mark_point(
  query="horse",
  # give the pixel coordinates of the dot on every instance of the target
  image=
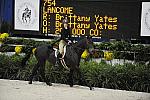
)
(72, 59)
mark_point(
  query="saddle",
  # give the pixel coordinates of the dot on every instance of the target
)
(61, 59)
(57, 52)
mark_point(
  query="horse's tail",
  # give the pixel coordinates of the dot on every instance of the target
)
(28, 53)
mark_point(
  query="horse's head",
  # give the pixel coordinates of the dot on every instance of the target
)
(85, 43)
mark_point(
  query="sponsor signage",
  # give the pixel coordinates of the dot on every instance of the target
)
(26, 15)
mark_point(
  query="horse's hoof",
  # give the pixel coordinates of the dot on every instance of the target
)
(91, 88)
(30, 82)
(49, 83)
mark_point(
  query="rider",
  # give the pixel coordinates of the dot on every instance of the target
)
(65, 37)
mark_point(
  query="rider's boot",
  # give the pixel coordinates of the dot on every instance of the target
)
(57, 59)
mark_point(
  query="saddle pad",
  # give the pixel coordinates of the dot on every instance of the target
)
(56, 52)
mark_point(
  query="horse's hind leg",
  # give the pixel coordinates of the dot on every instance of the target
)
(34, 72)
(42, 72)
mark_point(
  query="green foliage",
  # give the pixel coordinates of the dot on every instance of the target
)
(29, 42)
(9, 66)
(6, 48)
(126, 50)
(121, 49)
(56, 74)
(133, 77)
(9, 44)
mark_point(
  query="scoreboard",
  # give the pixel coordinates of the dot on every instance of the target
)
(95, 18)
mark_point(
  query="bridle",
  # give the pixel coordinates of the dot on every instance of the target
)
(87, 42)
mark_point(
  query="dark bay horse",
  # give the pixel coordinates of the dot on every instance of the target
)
(71, 58)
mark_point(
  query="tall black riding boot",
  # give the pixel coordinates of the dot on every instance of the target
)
(56, 63)
(57, 60)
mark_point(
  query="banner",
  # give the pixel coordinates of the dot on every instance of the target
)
(26, 15)
(145, 19)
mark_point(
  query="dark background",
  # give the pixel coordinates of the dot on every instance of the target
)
(128, 13)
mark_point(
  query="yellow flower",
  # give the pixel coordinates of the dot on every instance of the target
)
(33, 50)
(3, 36)
(85, 54)
(108, 55)
(18, 49)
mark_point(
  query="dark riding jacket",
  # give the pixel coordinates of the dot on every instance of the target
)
(66, 35)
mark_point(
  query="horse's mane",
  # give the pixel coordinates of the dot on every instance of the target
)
(78, 44)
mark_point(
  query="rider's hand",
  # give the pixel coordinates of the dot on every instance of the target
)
(69, 42)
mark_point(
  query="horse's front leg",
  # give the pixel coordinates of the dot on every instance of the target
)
(82, 79)
(71, 78)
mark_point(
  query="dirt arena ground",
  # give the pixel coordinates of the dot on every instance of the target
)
(21, 90)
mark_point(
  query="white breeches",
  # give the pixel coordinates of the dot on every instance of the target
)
(62, 43)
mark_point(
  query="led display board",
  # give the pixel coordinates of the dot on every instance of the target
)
(95, 18)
